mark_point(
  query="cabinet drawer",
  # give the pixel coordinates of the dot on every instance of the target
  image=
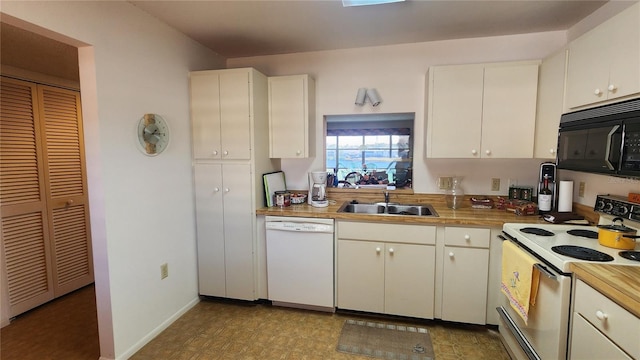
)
(616, 323)
(410, 234)
(587, 343)
(469, 237)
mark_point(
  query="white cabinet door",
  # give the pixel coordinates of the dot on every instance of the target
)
(455, 116)
(361, 275)
(224, 232)
(482, 110)
(291, 114)
(587, 343)
(550, 105)
(238, 231)
(604, 63)
(409, 280)
(509, 111)
(464, 284)
(205, 114)
(210, 229)
(220, 114)
(235, 111)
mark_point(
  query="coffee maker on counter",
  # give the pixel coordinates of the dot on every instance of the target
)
(548, 170)
(318, 189)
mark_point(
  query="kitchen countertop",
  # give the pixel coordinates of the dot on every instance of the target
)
(620, 283)
(463, 216)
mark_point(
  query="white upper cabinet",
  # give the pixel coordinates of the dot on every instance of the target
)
(604, 63)
(221, 114)
(482, 110)
(455, 111)
(550, 105)
(291, 116)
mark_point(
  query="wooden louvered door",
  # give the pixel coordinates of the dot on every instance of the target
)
(43, 198)
(66, 188)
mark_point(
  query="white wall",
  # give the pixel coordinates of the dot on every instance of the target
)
(142, 208)
(398, 73)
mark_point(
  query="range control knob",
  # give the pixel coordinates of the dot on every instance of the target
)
(608, 207)
(599, 205)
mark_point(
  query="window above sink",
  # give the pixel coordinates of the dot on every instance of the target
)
(369, 150)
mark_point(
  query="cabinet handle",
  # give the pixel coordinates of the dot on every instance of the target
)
(215, 152)
(69, 202)
(552, 151)
(612, 88)
(474, 152)
(451, 254)
(225, 152)
(298, 152)
(597, 92)
(467, 237)
(215, 189)
(488, 152)
(601, 315)
(391, 251)
(226, 190)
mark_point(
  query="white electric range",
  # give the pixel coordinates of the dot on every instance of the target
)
(558, 237)
(545, 334)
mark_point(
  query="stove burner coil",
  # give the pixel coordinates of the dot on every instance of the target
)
(536, 231)
(582, 253)
(583, 233)
(631, 255)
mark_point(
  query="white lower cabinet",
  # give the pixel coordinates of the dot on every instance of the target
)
(465, 274)
(224, 230)
(601, 329)
(386, 268)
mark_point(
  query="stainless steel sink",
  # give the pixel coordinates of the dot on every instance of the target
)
(362, 208)
(391, 209)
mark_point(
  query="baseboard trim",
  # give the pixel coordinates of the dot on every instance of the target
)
(155, 332)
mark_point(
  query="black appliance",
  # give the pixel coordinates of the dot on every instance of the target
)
(605, 140)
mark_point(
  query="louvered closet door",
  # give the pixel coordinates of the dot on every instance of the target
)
(24, 225)
(66, 188)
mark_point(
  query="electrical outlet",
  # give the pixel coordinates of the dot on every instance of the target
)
(164, 271)
(445, 183)
(581, 189)
(495, 184)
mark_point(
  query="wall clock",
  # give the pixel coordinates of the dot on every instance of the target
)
(153, 134)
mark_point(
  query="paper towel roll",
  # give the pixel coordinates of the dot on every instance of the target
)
(565, 198)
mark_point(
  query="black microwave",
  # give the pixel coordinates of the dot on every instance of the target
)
(604, 140)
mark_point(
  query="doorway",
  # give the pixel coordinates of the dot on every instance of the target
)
(27, 55)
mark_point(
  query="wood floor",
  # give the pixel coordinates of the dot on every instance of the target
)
(65, 328)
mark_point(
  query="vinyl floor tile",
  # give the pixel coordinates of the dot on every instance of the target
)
(226, 330)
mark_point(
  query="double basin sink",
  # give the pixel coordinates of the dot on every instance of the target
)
(387, 209)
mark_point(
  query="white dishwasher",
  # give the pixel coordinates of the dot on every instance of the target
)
(300, 262)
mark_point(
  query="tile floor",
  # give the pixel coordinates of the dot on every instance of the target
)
(216, 329)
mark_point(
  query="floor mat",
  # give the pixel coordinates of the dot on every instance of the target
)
(385, 341)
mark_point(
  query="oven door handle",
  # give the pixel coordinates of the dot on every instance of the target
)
(544, 271)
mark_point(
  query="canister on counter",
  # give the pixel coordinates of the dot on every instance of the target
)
(283, 198)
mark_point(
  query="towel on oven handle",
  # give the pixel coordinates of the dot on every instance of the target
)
(520, 279)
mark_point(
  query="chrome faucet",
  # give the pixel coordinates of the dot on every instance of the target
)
(386, 198)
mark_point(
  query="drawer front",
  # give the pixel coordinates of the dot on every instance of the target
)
(469, 237)
(587, 343)
(410, 234)
(611, 319)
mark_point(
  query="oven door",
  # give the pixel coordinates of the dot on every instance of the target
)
(545, 335)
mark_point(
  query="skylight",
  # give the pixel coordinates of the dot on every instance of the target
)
(347, 3)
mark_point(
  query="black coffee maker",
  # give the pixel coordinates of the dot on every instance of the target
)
(548, 169)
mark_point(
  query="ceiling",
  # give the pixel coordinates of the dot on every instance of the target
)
(243, 28)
